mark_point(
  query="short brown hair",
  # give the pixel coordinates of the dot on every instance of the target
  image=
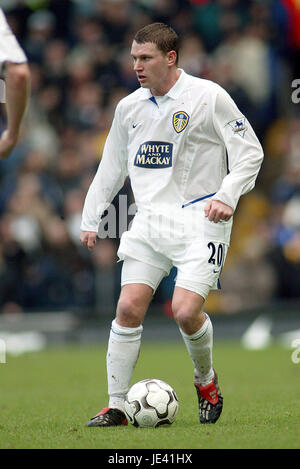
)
(160, 34)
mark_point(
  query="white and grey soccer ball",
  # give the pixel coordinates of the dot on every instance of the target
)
(151, 403)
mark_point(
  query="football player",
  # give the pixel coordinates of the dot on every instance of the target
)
(190, 155)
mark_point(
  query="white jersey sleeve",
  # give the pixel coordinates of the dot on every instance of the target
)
(10, 49)
(244, 152)
(110, 175)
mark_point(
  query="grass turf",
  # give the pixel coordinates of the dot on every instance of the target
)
(47, 397)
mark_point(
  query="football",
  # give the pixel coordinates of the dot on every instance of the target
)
(151, 403)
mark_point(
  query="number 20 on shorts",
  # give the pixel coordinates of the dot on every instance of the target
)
(217, 253)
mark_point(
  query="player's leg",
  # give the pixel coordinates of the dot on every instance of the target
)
(196, 329)
(125, 340)
(139, 282)
(197, 332)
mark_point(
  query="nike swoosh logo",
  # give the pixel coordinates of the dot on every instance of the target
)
(134, 125)
(216, 271)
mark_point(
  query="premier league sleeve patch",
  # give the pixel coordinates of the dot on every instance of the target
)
(180, 121)
(238, 126)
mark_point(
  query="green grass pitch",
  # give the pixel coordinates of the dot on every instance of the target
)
(47, 397)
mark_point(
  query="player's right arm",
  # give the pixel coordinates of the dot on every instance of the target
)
(108, 180)
(88, 239)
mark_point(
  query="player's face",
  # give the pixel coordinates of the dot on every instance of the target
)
(153, 67)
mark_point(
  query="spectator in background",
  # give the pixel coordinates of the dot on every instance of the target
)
(284, 257)
(15, 70)
(41, 26)
(106, 276)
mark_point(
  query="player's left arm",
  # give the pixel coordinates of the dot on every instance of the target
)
(110, 175)
(244, 157)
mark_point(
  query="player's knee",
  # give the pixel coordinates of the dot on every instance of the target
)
(130, 311)
(187, 315)
(184, 318)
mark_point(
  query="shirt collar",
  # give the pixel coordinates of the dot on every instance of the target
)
(178, 87)
(173, 93)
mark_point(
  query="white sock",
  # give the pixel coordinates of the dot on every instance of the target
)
(199, 346)
(122, 354)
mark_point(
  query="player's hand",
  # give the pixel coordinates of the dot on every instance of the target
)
(7, 143)
(88, 238)
(216, 211)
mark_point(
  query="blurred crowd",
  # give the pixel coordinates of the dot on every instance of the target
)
(80, 63)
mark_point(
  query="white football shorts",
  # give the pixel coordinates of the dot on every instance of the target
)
(198, 262)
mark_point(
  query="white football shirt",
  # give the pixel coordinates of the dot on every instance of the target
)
(179, 149)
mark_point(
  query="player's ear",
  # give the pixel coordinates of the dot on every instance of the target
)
(172, 56)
